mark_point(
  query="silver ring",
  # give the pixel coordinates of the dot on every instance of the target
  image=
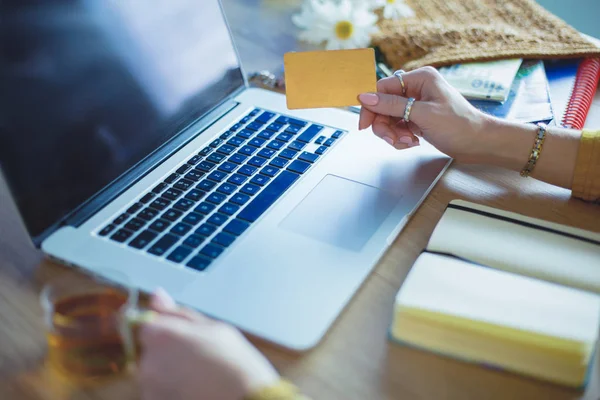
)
(407, 110)
(398, 74)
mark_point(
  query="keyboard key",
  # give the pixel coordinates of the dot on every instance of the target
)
(310, 133)
(227, 135)
(179, 254)
(337, 134)
(296, 145)
(292, 130)
(135, 224)
(237, 179)
(171, 178)
(163, 244)
(183, 204)
(211, 251)
(245, 134)
(159, 225)
(205, 166)
(226, 149)
(229, 208)
(279, 162)
(238, 158)
(275, 127)
(121, 235)
(216, 158)
(236, 141)
(235, 127)
(240, 198)
(276, 144)
(329, 142)
(181, 229)
(183, 184)
(236, 227)
(106, 230)
(265, 116)
(250, 189)
(320, 139)
(206, 230)
(193, 241)
(217, 176)
(285, 137)
(159, 188)
(270, 170)
(216, 143)
(217, 219)
(143, 239)
(183, 169)
(195, 195)
(260, 180)
(147, 198)
(321, 150)
(309, 157)
(216, 198)
(257, 142)
(291, 121)
(223, 239)
(204, 208)
(205, 151)
(247, 150)
(134, 208)
(192, 219)
(266, 135)
(206, 185)
(266, 153)
(246, 119)
(299, 166)
(194, 160)
(121, 218)
(254, 126)
(160, 204)
(199, 263)
(148, 214)
(172, 214)
(288, 153)
(268, 196)
(194, 175)
(227, 188)
(257, 161)
(227, 167)
(247, 170)
(172, 194)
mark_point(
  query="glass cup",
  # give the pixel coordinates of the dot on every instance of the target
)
(89, 326)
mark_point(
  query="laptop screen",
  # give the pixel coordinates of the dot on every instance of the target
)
(90, 88)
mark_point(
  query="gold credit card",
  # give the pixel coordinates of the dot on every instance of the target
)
(330, 78)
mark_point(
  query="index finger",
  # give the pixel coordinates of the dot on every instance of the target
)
(367, 117)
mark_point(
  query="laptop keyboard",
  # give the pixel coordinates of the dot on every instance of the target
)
(209, 201)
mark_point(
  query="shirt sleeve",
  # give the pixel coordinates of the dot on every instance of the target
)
(283, 390)
(586, 178)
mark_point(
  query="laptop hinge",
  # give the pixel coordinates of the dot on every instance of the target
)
(141, 169)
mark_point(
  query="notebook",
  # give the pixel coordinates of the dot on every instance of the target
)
(506, 291)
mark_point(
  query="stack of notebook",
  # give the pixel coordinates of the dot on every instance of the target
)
(507, 291)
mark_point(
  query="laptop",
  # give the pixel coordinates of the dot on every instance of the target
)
(132, 142)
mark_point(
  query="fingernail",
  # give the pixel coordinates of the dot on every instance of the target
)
(165, 300)
(406, 140)
(369, 99)
(388, 140)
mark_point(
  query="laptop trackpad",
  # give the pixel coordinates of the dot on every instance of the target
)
(341, 212)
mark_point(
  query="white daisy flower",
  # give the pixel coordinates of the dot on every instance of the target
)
(338, 24)
(393, 9)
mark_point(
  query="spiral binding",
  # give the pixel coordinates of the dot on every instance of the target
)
(586, 82)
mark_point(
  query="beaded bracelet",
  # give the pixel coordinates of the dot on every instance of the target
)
(535, 152)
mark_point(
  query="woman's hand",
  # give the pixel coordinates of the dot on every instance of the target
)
(440, 114)
(188, 356)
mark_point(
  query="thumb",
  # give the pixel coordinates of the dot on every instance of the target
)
(392, 105)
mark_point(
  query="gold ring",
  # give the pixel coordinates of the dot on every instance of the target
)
(398, 74)
(407, 110)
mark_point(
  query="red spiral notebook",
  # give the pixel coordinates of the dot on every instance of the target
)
(573, 84)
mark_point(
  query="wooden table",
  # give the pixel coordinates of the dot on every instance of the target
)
(355, 360)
